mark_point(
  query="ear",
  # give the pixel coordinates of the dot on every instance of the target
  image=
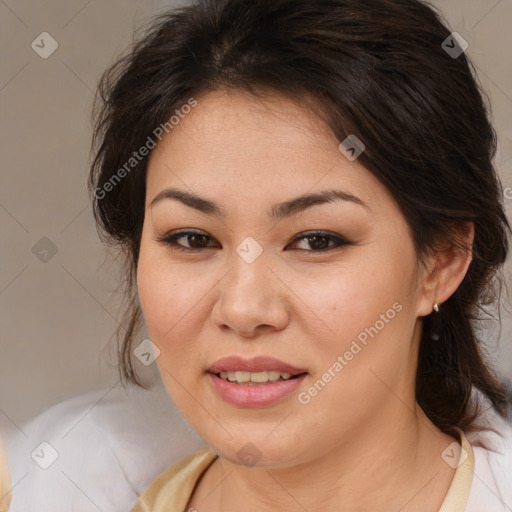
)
(446, 269)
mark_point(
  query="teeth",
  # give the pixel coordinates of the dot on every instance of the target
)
(256, 377)
(274, 375)
(241, 376)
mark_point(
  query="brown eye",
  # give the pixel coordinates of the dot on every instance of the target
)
(317, 241)
(320, 241)
(195, 240)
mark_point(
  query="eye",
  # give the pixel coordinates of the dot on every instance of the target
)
(195, 239)
(318, 241)
(321, 241)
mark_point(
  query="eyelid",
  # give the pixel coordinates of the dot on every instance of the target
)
(168, 239)
(320, 233)
(339, 240)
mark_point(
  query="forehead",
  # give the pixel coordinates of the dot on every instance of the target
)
(226, 124)
(233, 142)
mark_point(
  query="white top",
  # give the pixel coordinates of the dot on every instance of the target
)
(101, 450)
(110, 445)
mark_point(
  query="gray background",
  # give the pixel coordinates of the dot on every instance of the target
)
(57, 316)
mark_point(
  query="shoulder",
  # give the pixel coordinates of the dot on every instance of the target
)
(491, 488)
(97, 450)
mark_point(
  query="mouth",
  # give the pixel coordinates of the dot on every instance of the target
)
(245, 378)
(256, 370)
(257, 382)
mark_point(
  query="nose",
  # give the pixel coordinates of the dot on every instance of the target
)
(252, 299)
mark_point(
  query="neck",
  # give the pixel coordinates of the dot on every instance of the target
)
(396, 464)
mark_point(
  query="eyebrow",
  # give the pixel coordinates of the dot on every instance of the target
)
(277, 212)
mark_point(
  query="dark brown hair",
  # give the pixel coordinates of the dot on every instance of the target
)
(373, 68)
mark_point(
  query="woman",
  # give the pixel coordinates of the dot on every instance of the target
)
(305, 197)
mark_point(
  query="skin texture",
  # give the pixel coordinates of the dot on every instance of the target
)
(362, 440)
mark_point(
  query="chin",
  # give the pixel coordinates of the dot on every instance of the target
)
(257, 454)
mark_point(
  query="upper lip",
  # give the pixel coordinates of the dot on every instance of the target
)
(253, 364)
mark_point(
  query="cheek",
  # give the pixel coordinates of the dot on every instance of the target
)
(347, 302)
(156, 296)
(173, 300)
(165, 291)
(167, 303)
(365, 336)
(162, 298)
(364, 313)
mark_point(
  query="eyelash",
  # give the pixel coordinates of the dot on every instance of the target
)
(170, 240)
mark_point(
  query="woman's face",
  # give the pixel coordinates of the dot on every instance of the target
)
(340, 307)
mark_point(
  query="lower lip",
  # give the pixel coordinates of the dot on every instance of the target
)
(255, 395)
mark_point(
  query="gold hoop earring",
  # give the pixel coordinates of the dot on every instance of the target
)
(436, 307)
